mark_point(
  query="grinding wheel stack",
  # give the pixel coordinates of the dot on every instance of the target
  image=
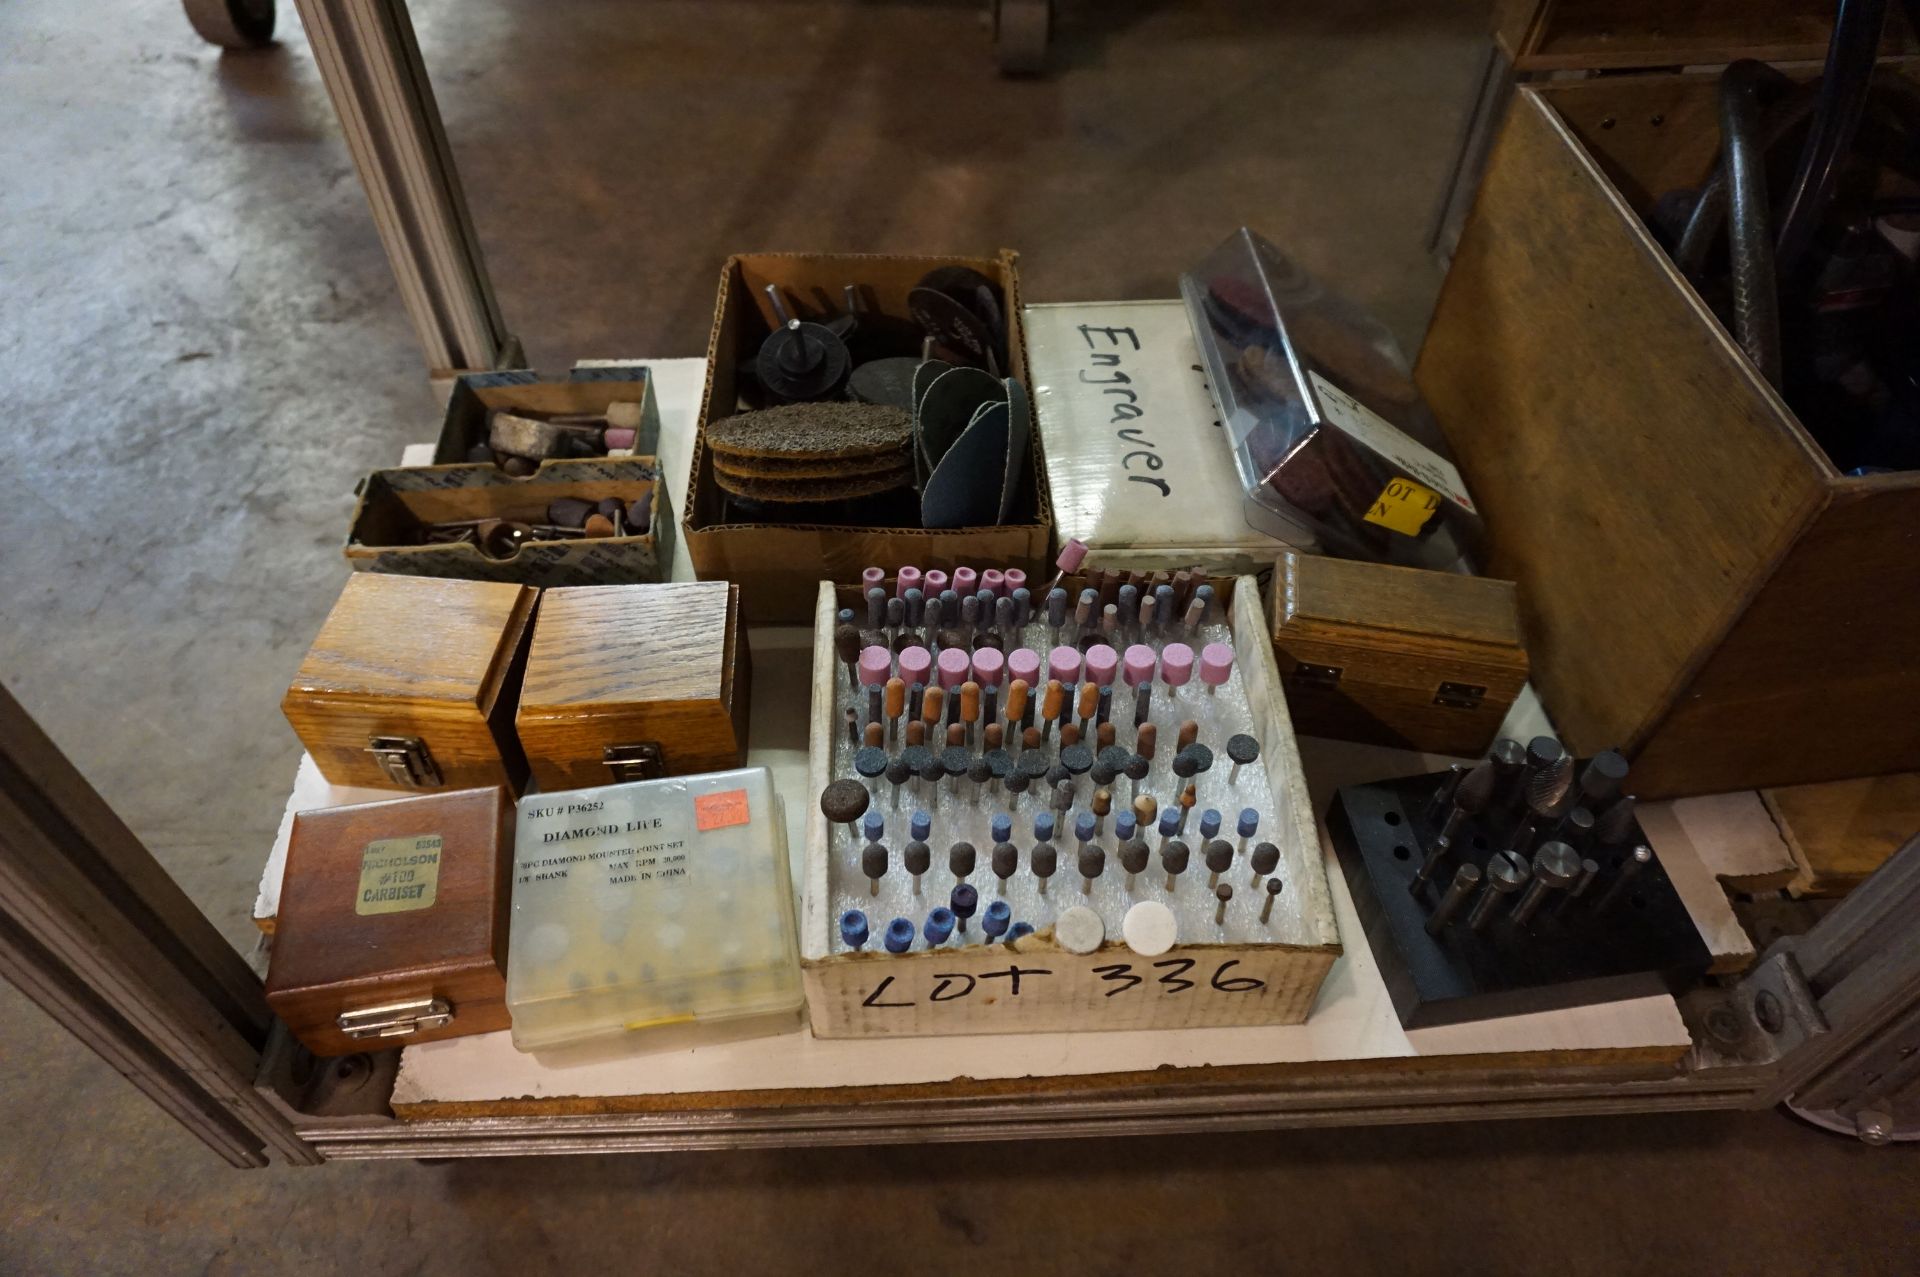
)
(806, 452)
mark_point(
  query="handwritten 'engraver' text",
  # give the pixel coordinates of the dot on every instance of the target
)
(1107, 352)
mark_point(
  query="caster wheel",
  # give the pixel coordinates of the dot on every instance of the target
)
(1875, 1127)
(232, 24)
(1021, 29)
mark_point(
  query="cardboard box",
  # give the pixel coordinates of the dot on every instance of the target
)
(777, 565)
(394, 503)
(590, 389)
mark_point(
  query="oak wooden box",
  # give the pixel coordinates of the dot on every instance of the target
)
(845, 994)
(1428, 661)
(395, 912)
(1699, 584)
(776, 564)
(629, 682)
(412, 682)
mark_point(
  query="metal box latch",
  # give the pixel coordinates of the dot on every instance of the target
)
(642, 761)
(1459, 696)
(405, 760)
(396, 1019)
(1307, 675)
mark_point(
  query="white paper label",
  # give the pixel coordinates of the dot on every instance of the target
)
(1121, 399)
(1376, 432)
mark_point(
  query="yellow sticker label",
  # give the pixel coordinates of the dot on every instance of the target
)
(1403, 506)
(399, 874)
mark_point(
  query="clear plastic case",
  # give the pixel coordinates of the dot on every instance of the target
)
(1326, 424)
(653, 903)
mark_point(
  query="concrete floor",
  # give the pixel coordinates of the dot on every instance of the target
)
(203, 350)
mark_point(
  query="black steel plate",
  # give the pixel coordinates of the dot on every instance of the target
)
(1643, 941)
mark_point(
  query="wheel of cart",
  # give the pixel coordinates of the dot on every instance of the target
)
(1021, 29)
(232, 24)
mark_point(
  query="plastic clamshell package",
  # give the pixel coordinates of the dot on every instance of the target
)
(652, 903)
(1326, 425)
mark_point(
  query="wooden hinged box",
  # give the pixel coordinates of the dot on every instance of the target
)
(1429, 661)
(630, 682)
(393, 922)
(411, 684)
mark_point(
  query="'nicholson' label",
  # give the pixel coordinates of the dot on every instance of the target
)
(398, 874)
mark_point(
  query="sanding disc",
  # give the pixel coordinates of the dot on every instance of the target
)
(805, 468)
(815, 431)
(885, 381)
(811, 490)
(953, 326)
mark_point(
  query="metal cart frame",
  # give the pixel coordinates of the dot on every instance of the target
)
(93, 930)
(96, 933)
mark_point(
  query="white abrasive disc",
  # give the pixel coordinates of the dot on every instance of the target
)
(1149, 928)
(1080, 930)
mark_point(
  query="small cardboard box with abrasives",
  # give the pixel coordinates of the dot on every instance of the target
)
(517, 420)
(862, 410)
(557, 493)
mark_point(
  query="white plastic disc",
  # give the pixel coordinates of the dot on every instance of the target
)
(548, 942)
(1149, 928)
(1079, 930)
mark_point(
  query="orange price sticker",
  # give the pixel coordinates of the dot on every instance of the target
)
(1403, 506)
(721, 810)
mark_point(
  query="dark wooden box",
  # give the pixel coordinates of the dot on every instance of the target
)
(1429, 661)
(1586, 35)
(1700, 585)
(393, 915)
(629, 682)
(411, 684)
